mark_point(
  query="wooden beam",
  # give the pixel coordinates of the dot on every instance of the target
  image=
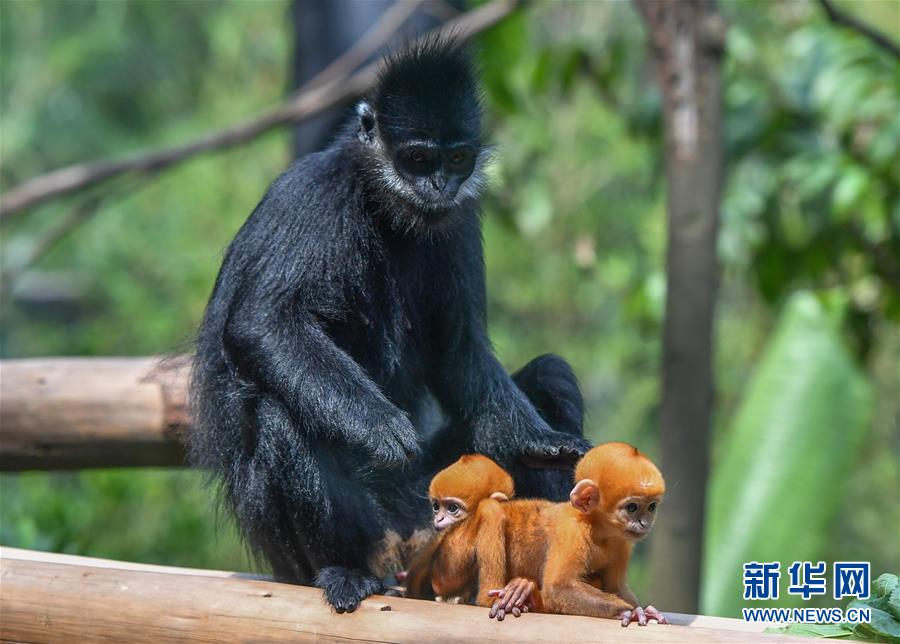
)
(66, 413)
(44, 599)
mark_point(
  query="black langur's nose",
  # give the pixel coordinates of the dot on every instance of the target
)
(439, 181)
(447, 184)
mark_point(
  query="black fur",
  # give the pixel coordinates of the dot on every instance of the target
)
(344, 358)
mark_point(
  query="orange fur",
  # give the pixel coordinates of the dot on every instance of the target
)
(471, 478)
(474, 546)
(579, 551)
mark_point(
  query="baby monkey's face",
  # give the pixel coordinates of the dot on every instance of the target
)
(447, 511)
(636, 514)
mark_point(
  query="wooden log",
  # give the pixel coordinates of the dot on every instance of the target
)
(44, 600)
(66, 413)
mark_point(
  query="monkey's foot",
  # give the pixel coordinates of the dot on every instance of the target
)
(345, 588)
(641, 616)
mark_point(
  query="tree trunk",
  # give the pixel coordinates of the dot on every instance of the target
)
(687, 41)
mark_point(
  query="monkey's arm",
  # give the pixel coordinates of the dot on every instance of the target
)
(472, 384)
(292, 357)
(490, 549)
(418, 578)
(564, 588)
(576, 597)
(626, 594)
(615, 578)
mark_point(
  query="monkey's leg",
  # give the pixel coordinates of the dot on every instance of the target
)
(302, 510)
(550, 384)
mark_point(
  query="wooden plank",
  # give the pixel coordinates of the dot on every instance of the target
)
(681, 619)
(65, 413)
(43, 600)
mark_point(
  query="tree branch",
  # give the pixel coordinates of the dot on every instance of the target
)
(838, 17)
(318, 96)
(48, 239)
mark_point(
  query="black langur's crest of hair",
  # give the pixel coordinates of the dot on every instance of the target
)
(429, 90)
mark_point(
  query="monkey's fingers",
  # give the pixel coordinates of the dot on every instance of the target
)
(497, 592)
(516, 611)
(641, 616)
(653, 613)
(554, 451)
(505, 604)
(521, 593)
(626, 616)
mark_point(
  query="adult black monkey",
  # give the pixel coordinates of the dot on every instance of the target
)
(349, 307)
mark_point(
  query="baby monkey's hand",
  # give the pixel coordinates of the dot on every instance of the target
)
(641, 616)
(517, 597)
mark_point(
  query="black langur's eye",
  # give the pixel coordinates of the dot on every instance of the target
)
(460, 157)
(461, 161)
(652, 507)
(435, 506)
(453, 508)
(632, 507)
(418, 161)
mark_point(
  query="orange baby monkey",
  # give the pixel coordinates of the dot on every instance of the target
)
(466, 500)
(579, 551)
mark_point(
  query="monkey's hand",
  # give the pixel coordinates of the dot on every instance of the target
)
(553, 450)
(641, 616)
(393, 442)
(517, 597)
(530, 440)
(543, 447)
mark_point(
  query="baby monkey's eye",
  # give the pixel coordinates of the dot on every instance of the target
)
(435, 506)
(632, 507)
(453, 508)
(652, 507)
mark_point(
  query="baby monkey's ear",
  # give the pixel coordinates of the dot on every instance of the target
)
(585, 495)
(499, 496)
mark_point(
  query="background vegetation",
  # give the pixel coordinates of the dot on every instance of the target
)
(574, 235)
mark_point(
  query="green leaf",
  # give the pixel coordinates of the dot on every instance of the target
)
(848, 190)
(894, 597)
(883, 624)
(831, 631)
(887, 585)
(778, 481)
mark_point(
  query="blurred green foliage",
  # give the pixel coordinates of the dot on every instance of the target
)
(574, 224)
(792, 443)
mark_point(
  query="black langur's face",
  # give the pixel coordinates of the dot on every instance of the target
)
(435, 172)
(423, 125)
